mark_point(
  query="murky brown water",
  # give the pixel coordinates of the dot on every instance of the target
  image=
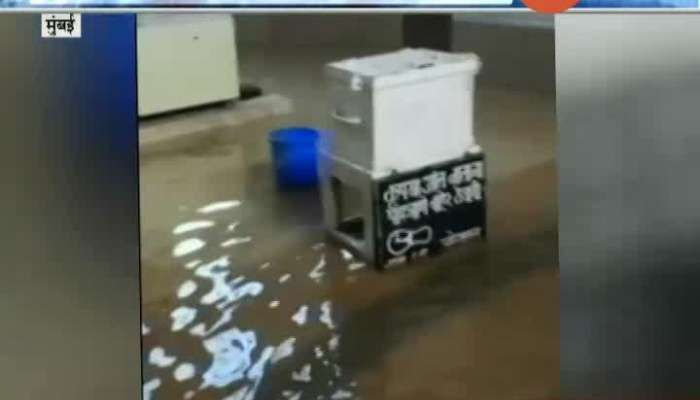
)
(480, 321)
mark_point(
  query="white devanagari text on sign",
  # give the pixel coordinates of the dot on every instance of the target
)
(61, 26)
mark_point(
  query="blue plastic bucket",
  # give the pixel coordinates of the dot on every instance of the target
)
(294, 155)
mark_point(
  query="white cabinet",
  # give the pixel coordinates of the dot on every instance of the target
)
(185, 61)
(402, 110)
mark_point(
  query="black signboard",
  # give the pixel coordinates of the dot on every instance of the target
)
(423, 211)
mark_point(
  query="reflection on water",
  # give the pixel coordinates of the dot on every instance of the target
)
(234, 357)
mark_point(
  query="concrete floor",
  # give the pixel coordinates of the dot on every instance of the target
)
(480, 321)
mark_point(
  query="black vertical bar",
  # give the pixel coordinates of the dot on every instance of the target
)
(69, 283)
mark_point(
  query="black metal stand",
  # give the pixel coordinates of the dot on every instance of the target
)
(432, 31)
(249, 91)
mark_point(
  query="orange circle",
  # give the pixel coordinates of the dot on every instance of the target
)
(550, 6)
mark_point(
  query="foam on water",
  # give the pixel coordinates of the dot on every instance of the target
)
(145, 330)
(226, 317)
(317, 273)
(239, 394)
(318, 351)
(188, 246)
(334, 342)
(290, 395)
(230, 295)
(184, 372)
(181, 317)
(303, 375)
(186, 289)
(237, 280)
(192, 226)
(218, 206)
(257, 371)
(284, 350)
(231, 352)
(160, 359)
(300, 316)
(199, 330)
(325, 317)
(341, 395)
(207, 269)
(150, 387)
(235, 241)
(356, 265)
(223, 291)
(347, 256)
(237, 361)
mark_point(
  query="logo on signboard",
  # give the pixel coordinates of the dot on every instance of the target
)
(60, 26)
(402, 240)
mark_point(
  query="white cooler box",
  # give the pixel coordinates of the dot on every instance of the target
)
(403, 110)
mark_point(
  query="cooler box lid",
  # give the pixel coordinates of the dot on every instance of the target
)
(402, 67)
